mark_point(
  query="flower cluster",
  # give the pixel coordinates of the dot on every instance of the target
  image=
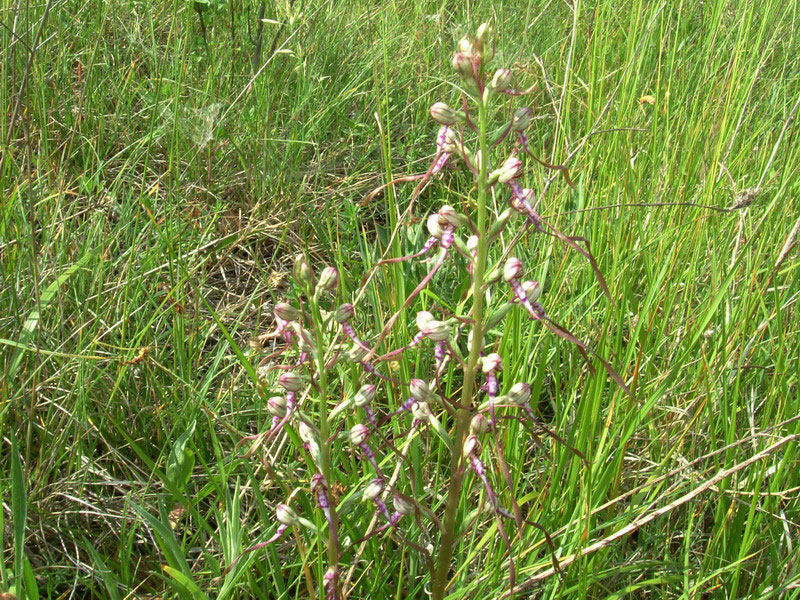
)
(324, 352)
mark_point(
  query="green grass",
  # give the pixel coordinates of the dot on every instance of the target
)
(155, 187)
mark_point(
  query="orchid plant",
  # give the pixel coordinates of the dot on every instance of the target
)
(319, 340)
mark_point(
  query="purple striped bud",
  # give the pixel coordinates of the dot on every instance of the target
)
(479, 424)
(302, 270)
(286, 311)
(438, 331)
(445, 115)
(365, 395)
(484, 34)
(449, 216)
(501, 80)
(344, 313)
(472, 446)
(520, 393)
(286, 515)
(373, 490)
(359, 434)
(420, 390)
(462, 64)
(423, 318)
(451, 143)
(513, 269)
(491, 362)
(328, 279)
(521, 119)
(532, 290)
(277, 406)
(511, 169)
(466, 45)
(434, 227)
(291, 382)
(403, 506)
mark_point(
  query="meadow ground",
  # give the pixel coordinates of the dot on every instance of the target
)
(162, 162)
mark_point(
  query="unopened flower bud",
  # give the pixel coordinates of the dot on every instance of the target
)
(344, 313)
(491, 362)
(445, 115)
(511, 169)
(452, 143)
(532, 290)
(421, 410)
(424, 317)
(479, 424)
(286, 311)
(420, 390)
(512, 269)
(466, 45)
(434, 227)
(500, 223)
(302, 270)
(277, 406)
(365, 395)
(472, 445)
(520, 393)
(501, 80)
(495, 276)
(521, 119)
(373, 490)
(328, 279)
(286, 515)
(438, 331)
(484, 34)
(306, 433)
(359, 434)
(462, 64)
(472, 243)
(291, 382)
(403, 506)
(356, 353)
(451, 216)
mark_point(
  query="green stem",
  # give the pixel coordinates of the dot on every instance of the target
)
(324, 426)
(463, 415)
